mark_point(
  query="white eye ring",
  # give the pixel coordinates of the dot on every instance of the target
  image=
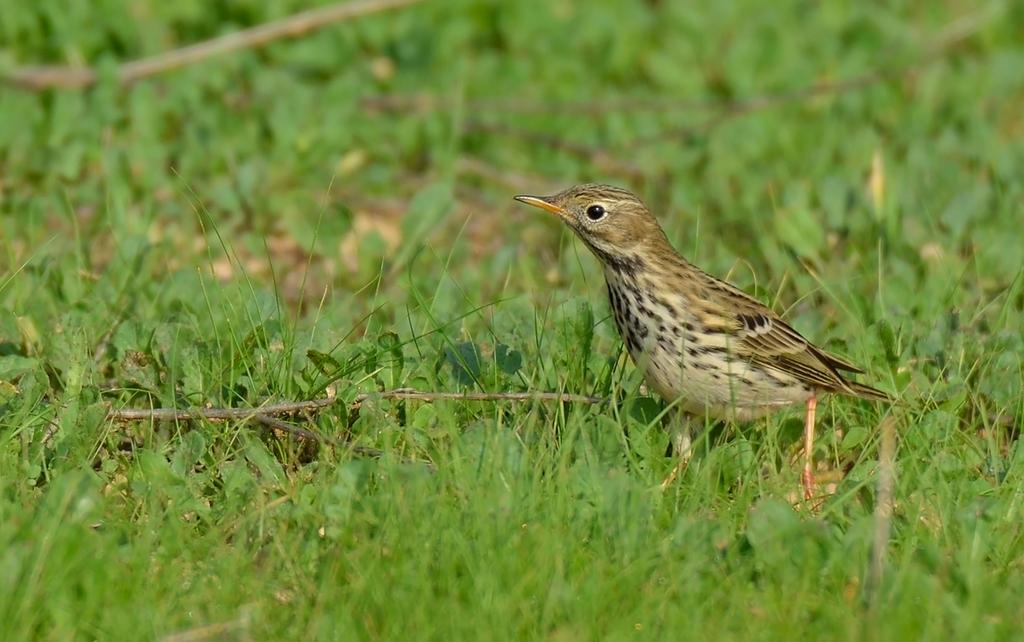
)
(596, 212)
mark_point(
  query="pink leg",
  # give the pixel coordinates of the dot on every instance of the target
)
(808, 476)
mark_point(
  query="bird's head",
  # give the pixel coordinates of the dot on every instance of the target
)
(610, 220)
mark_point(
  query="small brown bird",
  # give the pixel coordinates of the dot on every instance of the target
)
(701, 343)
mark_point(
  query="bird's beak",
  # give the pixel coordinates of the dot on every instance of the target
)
(544, 203)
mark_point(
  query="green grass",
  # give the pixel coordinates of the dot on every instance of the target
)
(254, 228)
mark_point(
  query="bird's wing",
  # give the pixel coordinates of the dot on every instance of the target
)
(762, 337)
(770, 341)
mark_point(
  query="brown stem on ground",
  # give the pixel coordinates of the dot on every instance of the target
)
(264, 415)
(41, 77)
(313, 405)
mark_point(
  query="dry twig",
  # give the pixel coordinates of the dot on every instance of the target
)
(409, 393)
(423, 103)
(265, 415)
(314, 405)
(46, 77)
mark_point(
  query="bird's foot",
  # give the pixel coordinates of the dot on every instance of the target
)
(807, 482)
(674, 474)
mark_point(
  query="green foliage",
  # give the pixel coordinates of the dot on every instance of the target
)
(332, 214)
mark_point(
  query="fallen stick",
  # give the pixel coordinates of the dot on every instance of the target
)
(264, 415)
(36, 78)
(313, 405)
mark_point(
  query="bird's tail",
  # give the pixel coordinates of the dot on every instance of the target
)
(867, 392)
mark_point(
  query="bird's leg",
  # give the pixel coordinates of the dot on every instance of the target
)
(682, 444)
(808, 477)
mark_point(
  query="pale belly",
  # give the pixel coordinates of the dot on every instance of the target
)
(721, 390)
(697, 371)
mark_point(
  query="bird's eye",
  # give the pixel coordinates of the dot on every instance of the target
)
(595, 212)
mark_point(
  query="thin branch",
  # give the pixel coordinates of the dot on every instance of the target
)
(41, 77)
(183, 414)
(264, 415)
(423, 103)
(409, 393)
(314, 405)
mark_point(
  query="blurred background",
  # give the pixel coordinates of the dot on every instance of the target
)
(335, 208)
(860, 160)
(871, 151)
(875, 144)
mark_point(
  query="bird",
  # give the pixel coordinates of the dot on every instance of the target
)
(706, 347)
